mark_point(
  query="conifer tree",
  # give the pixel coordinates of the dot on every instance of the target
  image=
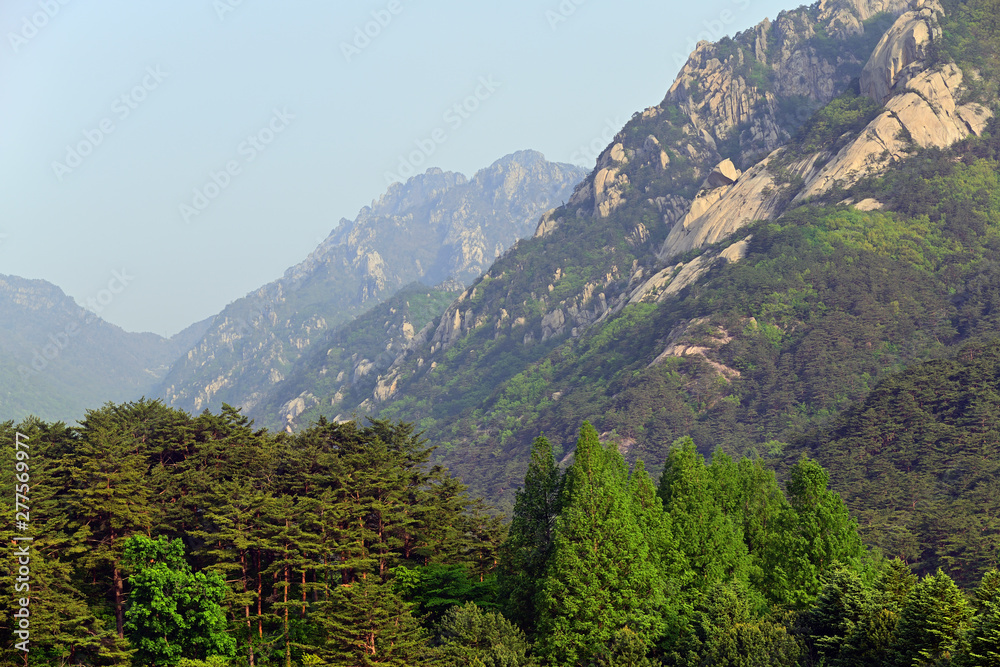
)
(983, 648)
(63, 627)
(525, 554)
(108, 499)
(932, 622)
(469, 635)
(836, 613)
(235, 542)
(727, 631)
(757, 505)
(817, 535)
(601, 576)
(371, 625)
(710, 545)
(381, 515)
(871, 640)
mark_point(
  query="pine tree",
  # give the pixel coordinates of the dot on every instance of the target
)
(235, 542)
(710, 545)
(816, 535)
(107, 499)
(526, 552)
(984, 637)
(932, 622)
(381, 515)
(601, 576)
(63, 628)
(470, 636)
(371, 625)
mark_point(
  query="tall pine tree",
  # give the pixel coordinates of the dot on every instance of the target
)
(525, 554)
(602, 575)
(932, 622)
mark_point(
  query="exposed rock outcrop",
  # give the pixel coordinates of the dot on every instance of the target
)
(725, 173)
(696, 339)
(847, 18)
(921, 109)
(734, 94)
(901, 52)
(548, 224)
(737, 251)
(717, 213)
(926, 114)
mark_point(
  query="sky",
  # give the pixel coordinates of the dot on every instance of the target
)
(187, 152)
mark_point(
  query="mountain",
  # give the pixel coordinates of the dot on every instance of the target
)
(919, 461)
(812, 207)
(58, 360)
(344, 367)
(436, 227)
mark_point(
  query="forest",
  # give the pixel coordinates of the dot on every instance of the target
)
(159, 539)
(821, 486)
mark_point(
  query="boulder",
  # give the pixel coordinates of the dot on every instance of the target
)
(725, 173)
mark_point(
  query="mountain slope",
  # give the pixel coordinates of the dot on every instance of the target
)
(919, 462)
(436, 226)
(343, 367)
(58, 360)
(654, 305)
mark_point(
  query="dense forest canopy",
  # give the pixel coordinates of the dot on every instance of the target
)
(165, 539)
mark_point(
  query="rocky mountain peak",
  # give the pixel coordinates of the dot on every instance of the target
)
(847, 17)
(922, 108)
(901, 52)
(438, 225)
(741, 99)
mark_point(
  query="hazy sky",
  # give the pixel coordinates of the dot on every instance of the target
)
(201, 147)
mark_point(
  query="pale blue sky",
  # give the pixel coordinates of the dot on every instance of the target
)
(183, 86)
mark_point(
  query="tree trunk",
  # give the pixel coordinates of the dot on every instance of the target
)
(119, 602)
(288, 584)
(303, 592)
(246, 608)
(288, 646)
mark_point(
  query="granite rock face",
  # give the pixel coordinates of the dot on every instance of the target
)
(926, 114)
(901, 52)
(737, 92)
(921, 108)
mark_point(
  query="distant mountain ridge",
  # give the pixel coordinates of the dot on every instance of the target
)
(436, 227)
(58, 359)
(657, 304)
